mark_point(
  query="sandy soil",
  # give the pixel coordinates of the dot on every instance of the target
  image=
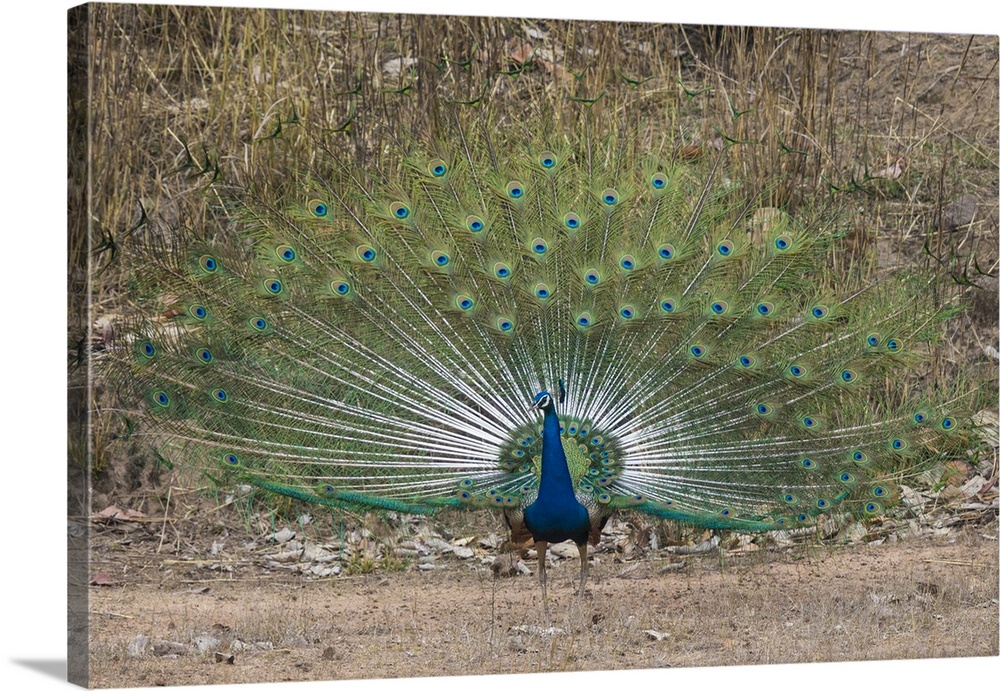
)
(927, 598)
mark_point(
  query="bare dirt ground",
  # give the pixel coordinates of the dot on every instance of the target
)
(176, 621)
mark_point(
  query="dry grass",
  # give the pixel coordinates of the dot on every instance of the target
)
(896, 126)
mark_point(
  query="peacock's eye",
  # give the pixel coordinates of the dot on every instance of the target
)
(437, 168)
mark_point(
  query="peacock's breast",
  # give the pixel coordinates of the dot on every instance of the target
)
(557, 519)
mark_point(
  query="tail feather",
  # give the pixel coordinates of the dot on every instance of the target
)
(375, 341)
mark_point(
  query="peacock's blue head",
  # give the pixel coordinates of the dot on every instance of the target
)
(543, 401)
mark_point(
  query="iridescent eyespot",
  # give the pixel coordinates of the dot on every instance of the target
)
(515, 190)
(724, 248)
(592, 277)
(440, 258)
(341, 287)
(848, 376)
(859, 457)
(797, 370)
(948, 423)
(808, 464)
(720, 307)
(609, 197)
(147, 349)
(273, 286)
(789, 498)
(894, 345)
(898, 444)
(810, 422)
(668, 305)
(474, 223)
(879, 491)
(658, 181)
(873, 340)
(208, 263)
(366, 253)
(318, 208)
(198, 311)
(846, 478)
(822, 504)
(819, 312)
(746, 361)
(504, 324)
(584, 319)
(627, 262)
(547, 159)
(501, 270)
(220, 395)
(872, 508)
(571, 221)
(764, 308)
(285, 253)
(399, 210)
(161, 399)
(919, 417)
(782, 242)
(437, 168)
(258, 323)
(204, 355)
(666, 251)
(698, 350)
(231, 459)
(627, 312)
(539, 246)
(542, 291)
(763, 409)
(464, 302)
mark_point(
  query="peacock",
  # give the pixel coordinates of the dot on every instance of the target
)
(556, 326)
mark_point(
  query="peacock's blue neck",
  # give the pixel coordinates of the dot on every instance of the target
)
(555, 514)
(555, 483)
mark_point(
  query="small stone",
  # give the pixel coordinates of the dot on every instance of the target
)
(137, 646)
(206, 643)
(506, 565)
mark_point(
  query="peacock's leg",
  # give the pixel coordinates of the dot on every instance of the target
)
(540, 547)
(584, 566)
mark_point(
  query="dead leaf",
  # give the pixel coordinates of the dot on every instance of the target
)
(101, 578)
